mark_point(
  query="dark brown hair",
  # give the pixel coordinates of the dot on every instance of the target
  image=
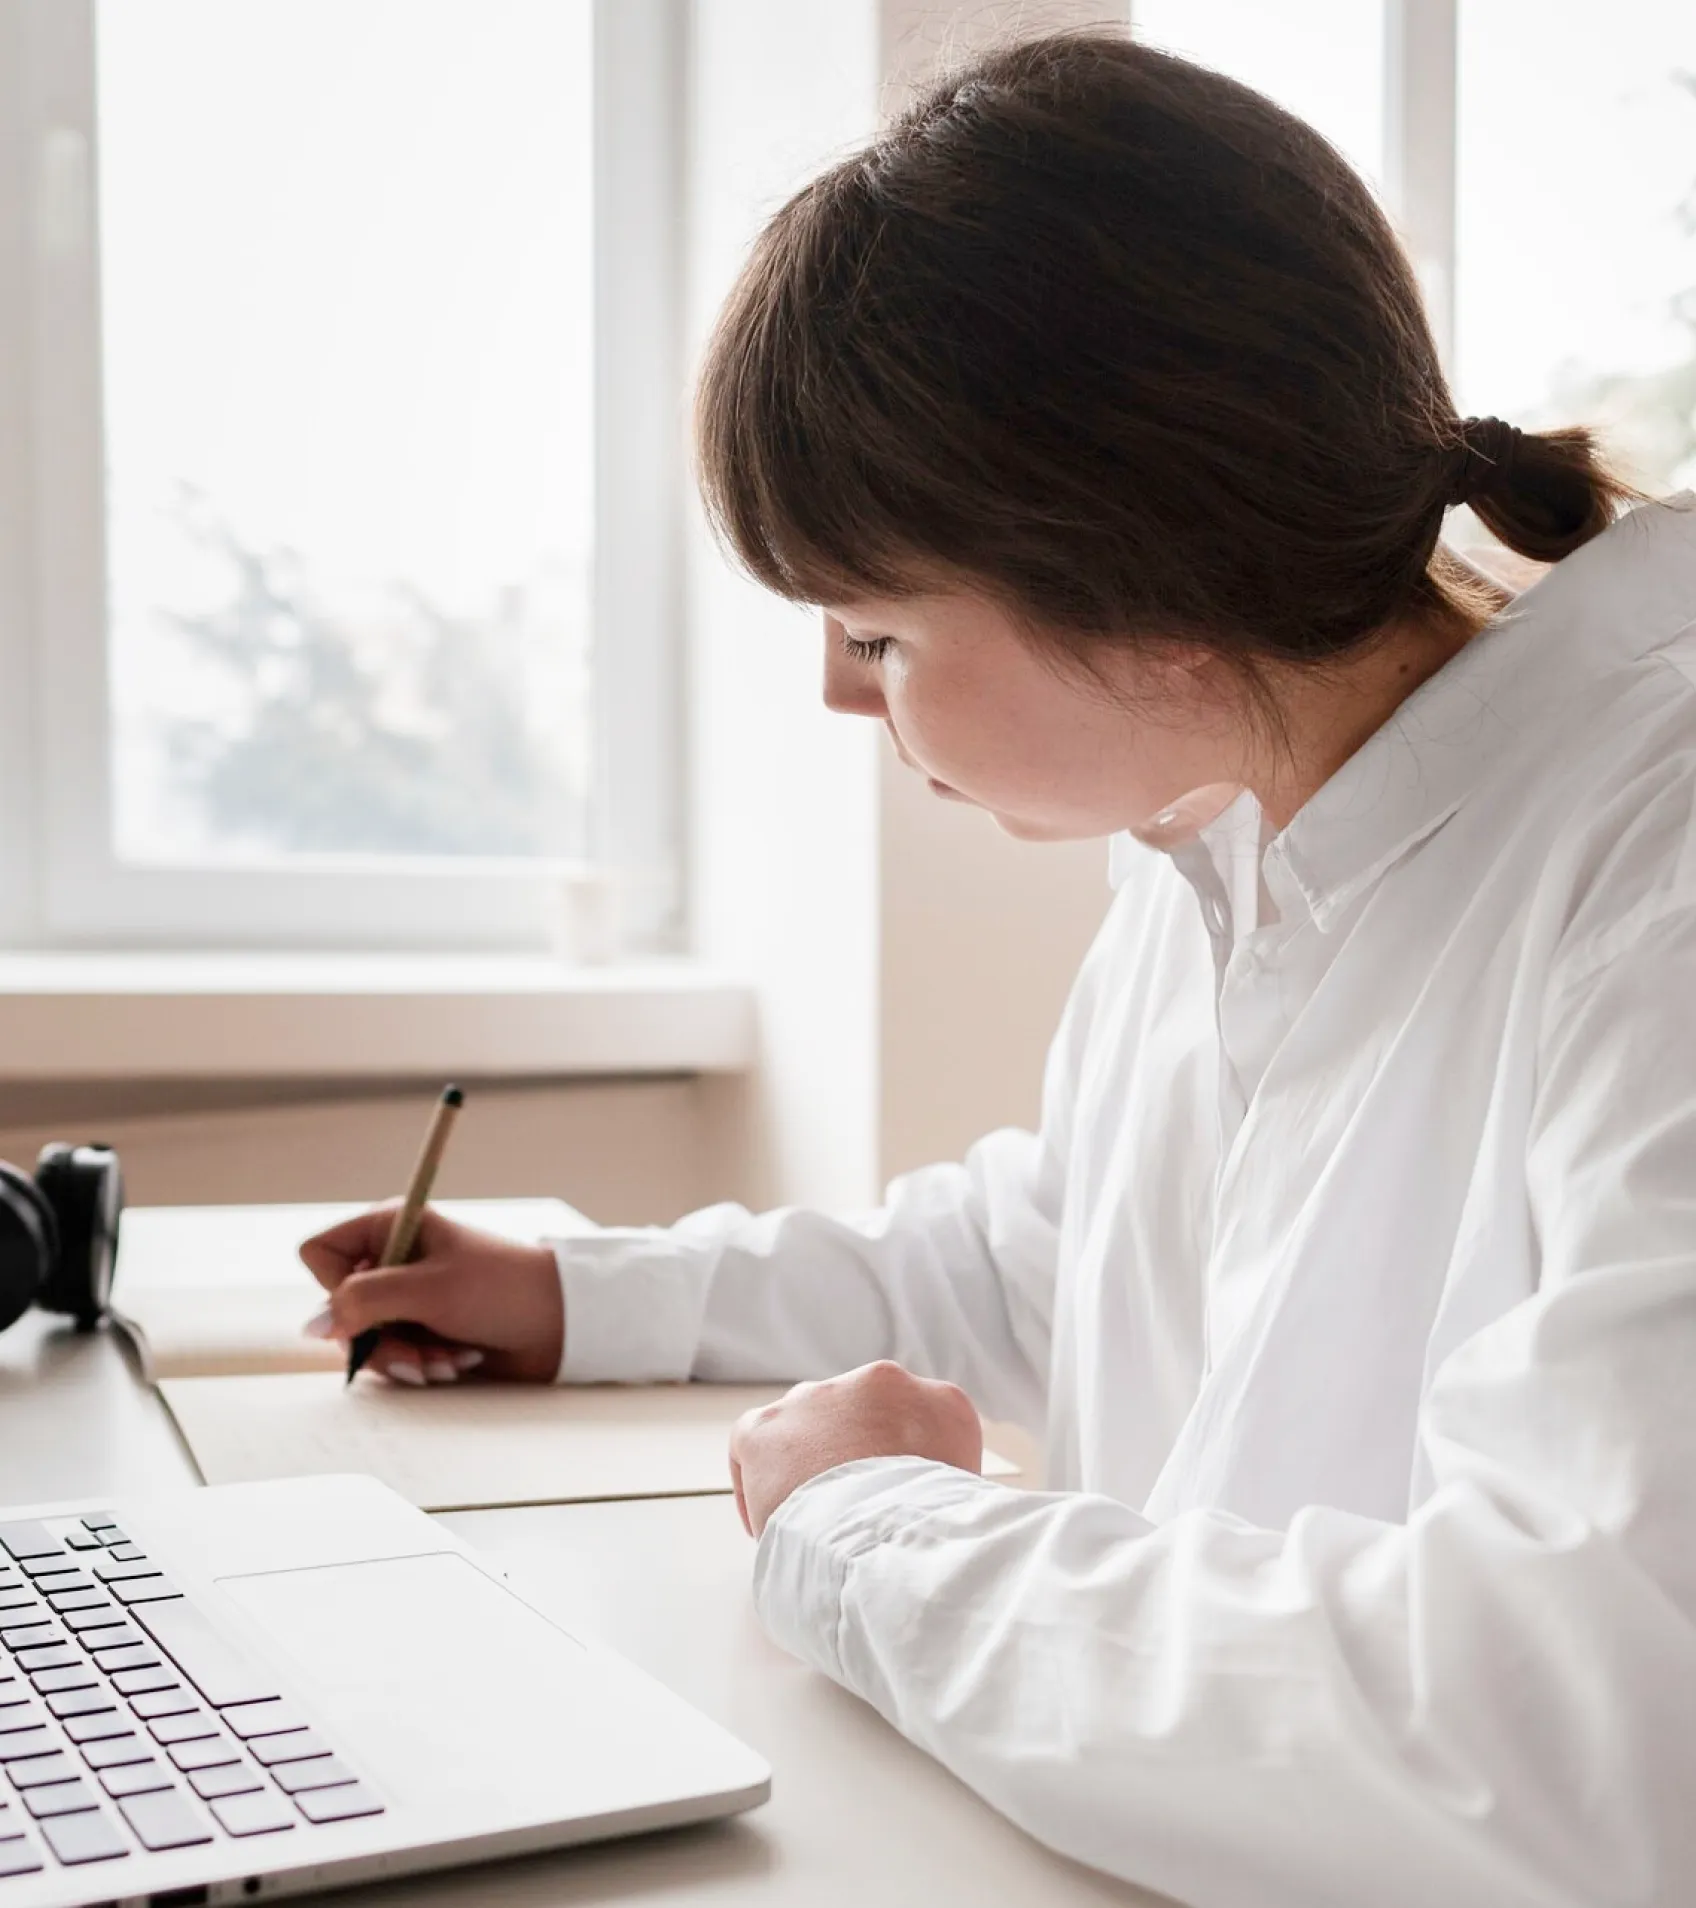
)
(1128, 347)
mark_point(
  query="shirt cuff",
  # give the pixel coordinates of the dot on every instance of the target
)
(634, 1298)
(814, 1538)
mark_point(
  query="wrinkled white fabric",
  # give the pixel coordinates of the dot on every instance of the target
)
(1352, 1278)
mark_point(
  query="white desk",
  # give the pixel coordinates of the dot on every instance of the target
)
(858, 1818)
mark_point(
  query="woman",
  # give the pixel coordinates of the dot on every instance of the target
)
(1352, 1275)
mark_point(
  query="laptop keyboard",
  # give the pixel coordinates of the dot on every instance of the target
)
(128, 1723)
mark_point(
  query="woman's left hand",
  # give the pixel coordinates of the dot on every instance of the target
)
(880, 1410)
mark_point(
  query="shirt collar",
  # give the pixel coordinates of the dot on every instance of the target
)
(1624, 593)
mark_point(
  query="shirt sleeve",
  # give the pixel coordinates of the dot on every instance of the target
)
(953, 1275)
(1491, 1706)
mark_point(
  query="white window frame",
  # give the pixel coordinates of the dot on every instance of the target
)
(1421, 136)
(60, 882)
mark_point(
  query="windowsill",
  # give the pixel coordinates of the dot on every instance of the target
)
(133, 1016)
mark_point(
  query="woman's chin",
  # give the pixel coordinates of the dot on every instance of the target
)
(1022, 828)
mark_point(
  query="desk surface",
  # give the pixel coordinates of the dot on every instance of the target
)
(857, 1815)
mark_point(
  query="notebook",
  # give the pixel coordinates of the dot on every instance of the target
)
(214, 1299)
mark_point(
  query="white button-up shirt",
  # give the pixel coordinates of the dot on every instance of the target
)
(1352, 1279)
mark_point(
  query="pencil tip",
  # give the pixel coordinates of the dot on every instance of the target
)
(452, 1096)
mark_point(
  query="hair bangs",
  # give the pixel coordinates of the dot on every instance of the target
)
(794, 429)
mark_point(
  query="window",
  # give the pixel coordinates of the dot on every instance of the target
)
(1575, 241)
(354, 468)
(1540, 160)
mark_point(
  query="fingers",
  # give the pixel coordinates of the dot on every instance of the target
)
(417, 1294)
(416, 1360)
(330, 1256)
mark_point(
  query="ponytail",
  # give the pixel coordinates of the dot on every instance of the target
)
(1542, 493)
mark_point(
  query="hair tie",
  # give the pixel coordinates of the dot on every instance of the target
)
(1487, 447)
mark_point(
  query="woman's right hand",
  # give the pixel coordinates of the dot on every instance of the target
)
(465, 1300)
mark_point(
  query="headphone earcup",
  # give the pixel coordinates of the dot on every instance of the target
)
(29, 1244)
(85, 1191)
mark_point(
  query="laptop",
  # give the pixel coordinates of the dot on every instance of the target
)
(258, 1690)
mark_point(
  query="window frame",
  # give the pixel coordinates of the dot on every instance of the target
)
(1421, 142)
(60, 882)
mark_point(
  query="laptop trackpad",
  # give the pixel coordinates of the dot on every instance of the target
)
(450, 1691)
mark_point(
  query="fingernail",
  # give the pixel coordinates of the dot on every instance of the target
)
(468, 1360)
(403, 1371)
(320, 1325)
(441, 1371)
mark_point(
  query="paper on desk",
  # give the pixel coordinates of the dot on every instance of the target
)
(471, 1446)
(207, 1291)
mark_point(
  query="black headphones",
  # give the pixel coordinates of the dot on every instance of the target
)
(59, 1234)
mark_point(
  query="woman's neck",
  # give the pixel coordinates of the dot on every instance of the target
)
(1332, 714)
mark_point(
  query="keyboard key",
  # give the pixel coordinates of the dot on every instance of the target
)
(95, 1635)
(205, 1753)
(228, 1778)
(145, 1590)
(338, 1805)
(59, 1581)
(83, 1540)
(220, 1674)
(142, 1682)
(321, 1772)
(126, 1553)
(53, 1656)
(109, 1570)
(164, 1702)
(130, 1656)
(291, 1746)
(19, 1597)
(112, 1752)
(263, 1719)
(80, 1702)
(98, 1616)
(98, 1726)
(18, 1858)
(98, 1520)
(12, 1693)
(110, 1534)
(136, 1778)
(38, 1771)
(46, 1566)
(34, 1740)
(255, 1814)
(88, 1837)
(165, 1819)
(89, 1598)
(72, 1676)
(59, 1798)
(26, 1636)
(28, 1540)
(189, 1727)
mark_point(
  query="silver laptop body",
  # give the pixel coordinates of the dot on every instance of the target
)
(264, 1689)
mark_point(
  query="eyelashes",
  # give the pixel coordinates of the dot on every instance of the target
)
(866, 652)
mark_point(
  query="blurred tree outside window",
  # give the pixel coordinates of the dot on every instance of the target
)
(346, 250)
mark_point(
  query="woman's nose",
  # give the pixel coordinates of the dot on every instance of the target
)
(850, 687)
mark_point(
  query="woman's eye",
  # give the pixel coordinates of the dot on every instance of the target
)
(866, 652)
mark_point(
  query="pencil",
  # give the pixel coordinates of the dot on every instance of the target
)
(403, 1231)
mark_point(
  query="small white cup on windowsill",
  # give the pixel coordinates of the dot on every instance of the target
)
(585, 908)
